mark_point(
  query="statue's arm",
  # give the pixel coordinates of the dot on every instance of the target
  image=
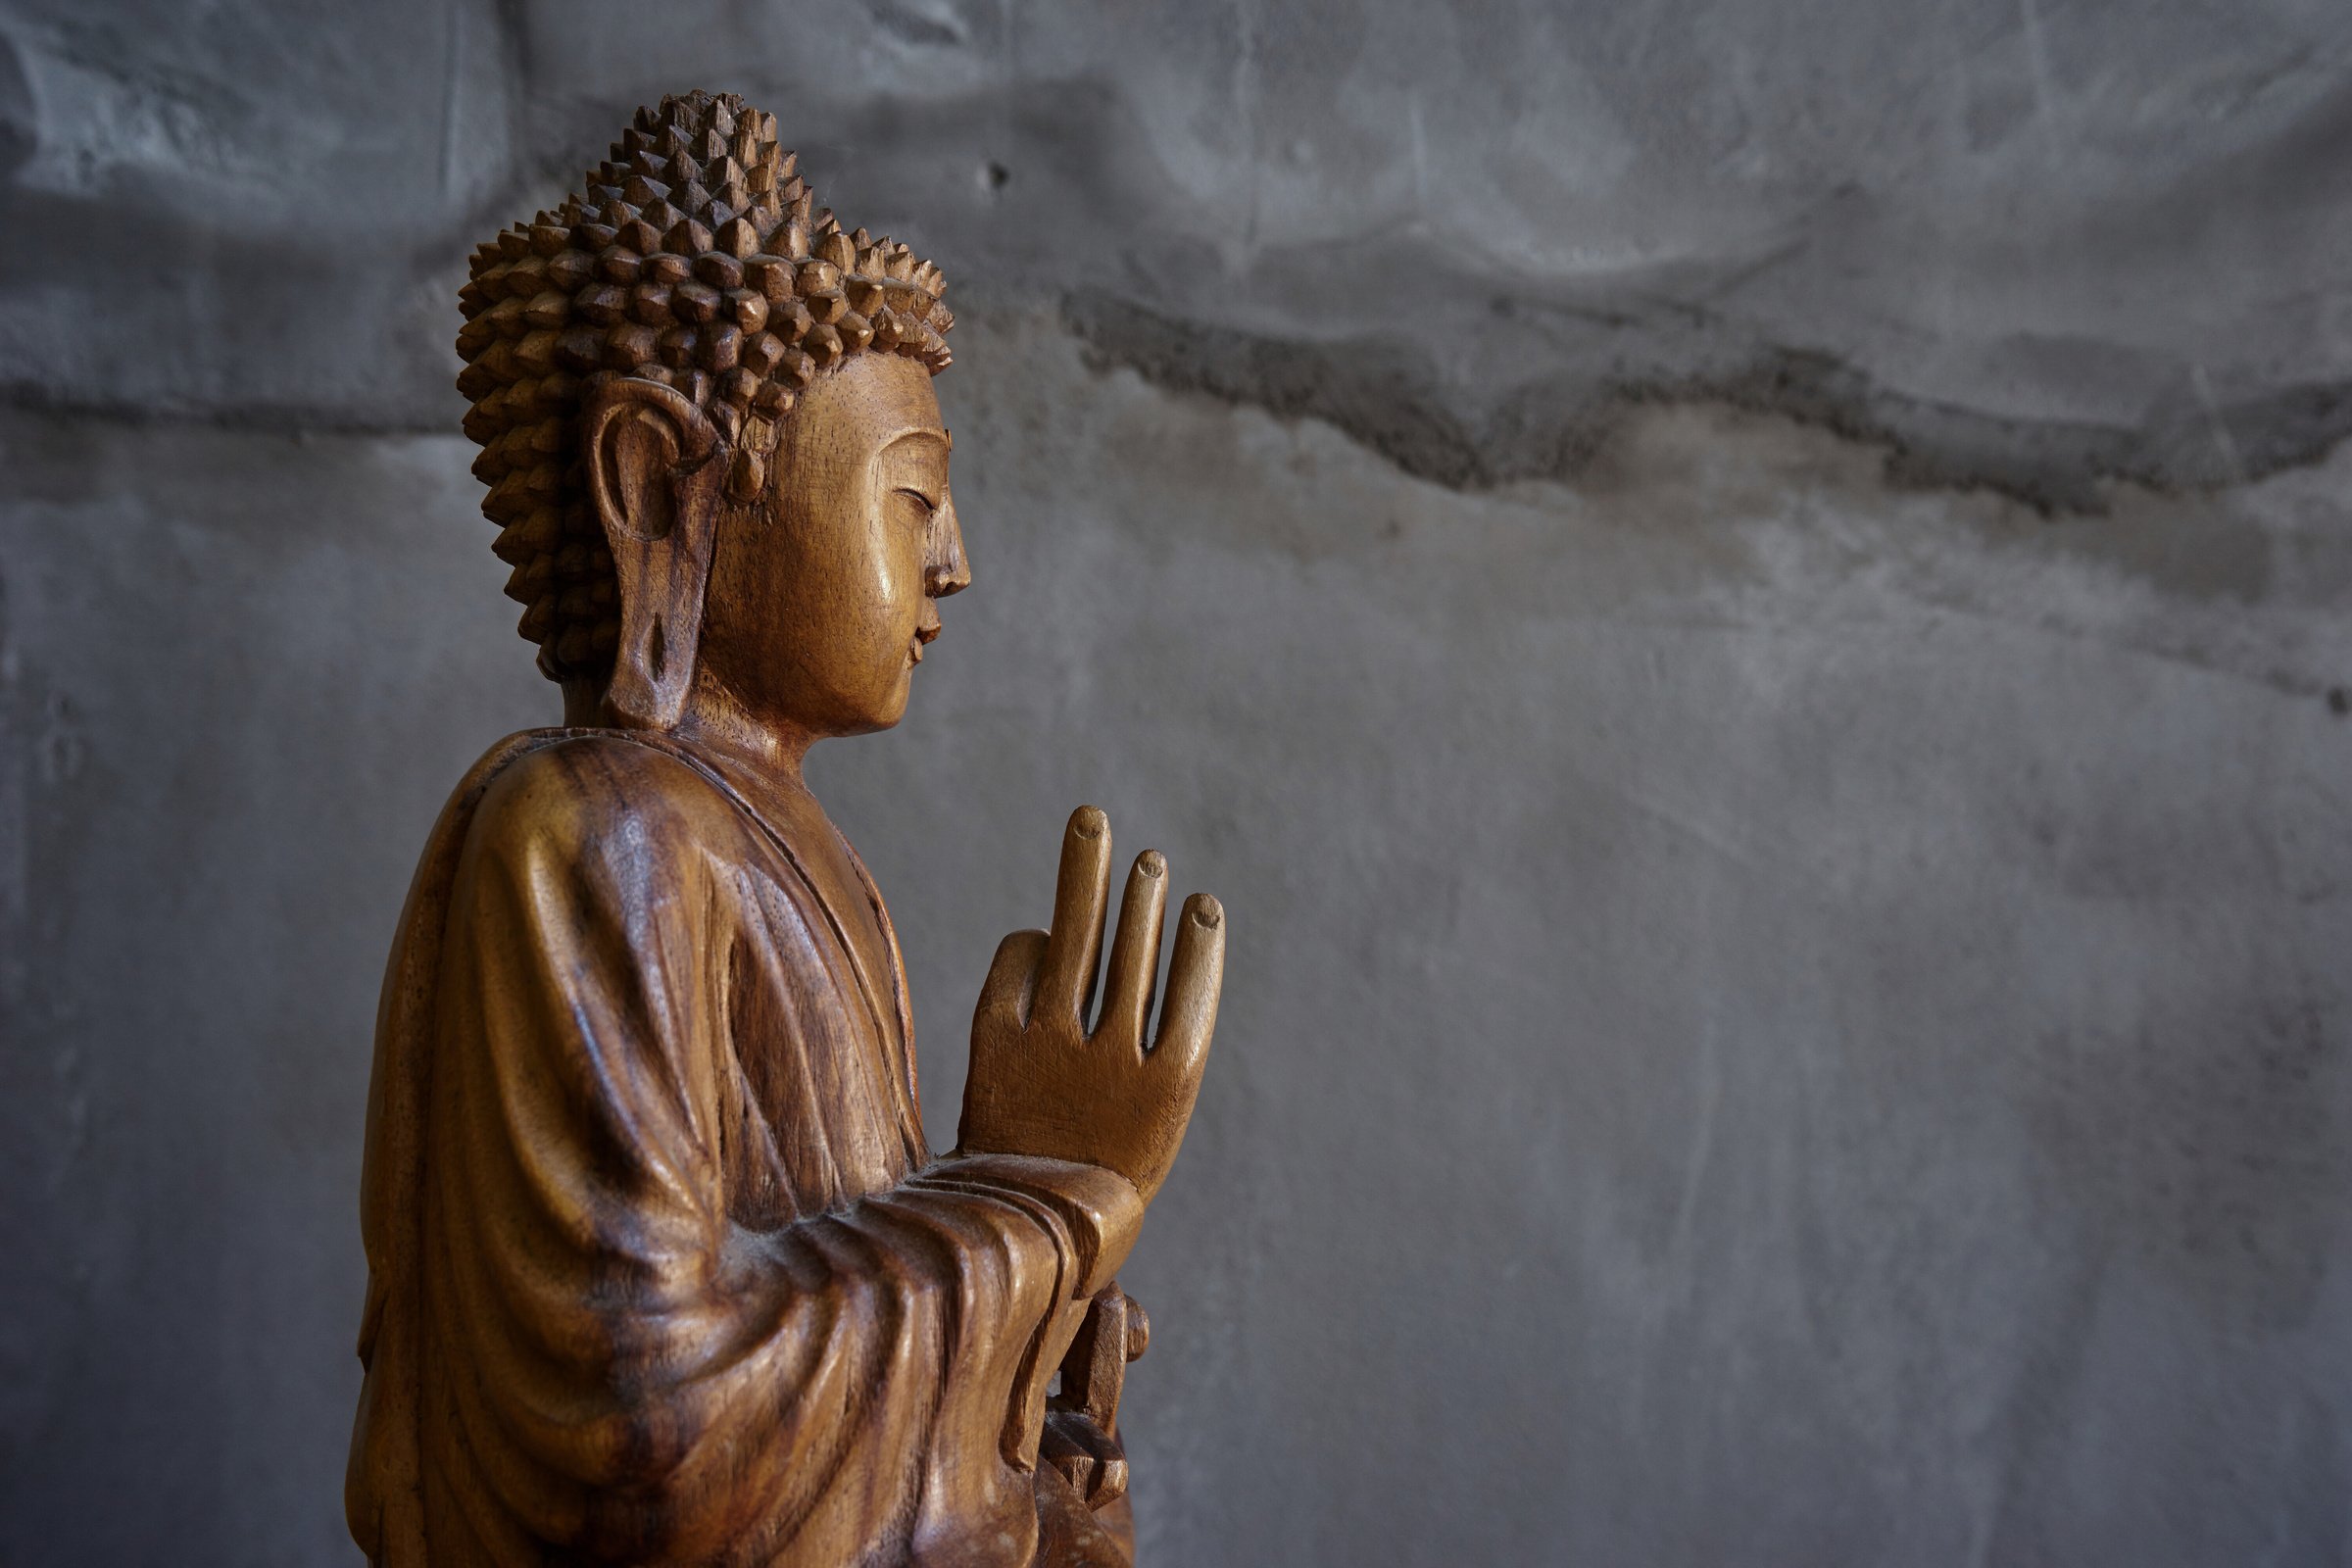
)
(635, 1373)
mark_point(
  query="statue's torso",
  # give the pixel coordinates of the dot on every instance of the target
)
(681, 1270)
(800, 980)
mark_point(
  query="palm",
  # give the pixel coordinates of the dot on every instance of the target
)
(1043, 1083)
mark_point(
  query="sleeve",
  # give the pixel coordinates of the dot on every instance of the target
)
(626, 1373)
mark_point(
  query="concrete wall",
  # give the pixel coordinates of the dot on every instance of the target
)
(1745, 604)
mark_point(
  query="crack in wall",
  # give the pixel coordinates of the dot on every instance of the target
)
(1392, 399)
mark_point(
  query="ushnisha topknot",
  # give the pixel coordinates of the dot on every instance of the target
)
(692, 259)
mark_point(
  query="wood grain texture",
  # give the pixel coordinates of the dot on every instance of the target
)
(661, 1269)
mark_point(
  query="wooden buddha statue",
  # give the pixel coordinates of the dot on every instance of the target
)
(661, 1270)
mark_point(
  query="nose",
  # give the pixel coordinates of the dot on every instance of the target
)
(944, 569)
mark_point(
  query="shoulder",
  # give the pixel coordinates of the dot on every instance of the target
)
(600, 796)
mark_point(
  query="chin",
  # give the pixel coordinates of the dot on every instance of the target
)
(886, 713)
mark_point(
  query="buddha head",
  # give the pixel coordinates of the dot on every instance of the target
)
(707, 423)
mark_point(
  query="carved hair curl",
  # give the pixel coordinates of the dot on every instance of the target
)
(693, 259)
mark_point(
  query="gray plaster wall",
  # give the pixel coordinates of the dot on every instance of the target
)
(1745, 604)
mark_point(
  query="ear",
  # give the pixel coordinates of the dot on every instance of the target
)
(655, 471)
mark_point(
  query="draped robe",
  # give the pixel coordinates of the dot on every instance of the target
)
(660, 1270)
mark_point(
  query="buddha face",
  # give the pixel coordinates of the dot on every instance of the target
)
(823, 594)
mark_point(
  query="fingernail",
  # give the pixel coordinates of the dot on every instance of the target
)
(1209, 913)
(1088, 822)
(1150, 863)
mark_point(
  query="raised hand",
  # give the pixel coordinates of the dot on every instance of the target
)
(1042, 1082)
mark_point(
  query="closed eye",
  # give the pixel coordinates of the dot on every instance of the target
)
(928, 505)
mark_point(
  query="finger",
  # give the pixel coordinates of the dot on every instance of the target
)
(1089, 1459)
(1195, 976)
(1065, 983)
(1005, 993)
(1135, 953)
(1108, 1480)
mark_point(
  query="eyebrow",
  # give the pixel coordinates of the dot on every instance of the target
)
(937, 438)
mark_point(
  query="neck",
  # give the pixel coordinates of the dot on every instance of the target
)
(716, 720)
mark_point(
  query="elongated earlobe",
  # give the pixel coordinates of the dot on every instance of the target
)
(656, 469)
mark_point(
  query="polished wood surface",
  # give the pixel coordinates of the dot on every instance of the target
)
(660, 1267)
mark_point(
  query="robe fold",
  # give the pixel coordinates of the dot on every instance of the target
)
(660, 1270)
